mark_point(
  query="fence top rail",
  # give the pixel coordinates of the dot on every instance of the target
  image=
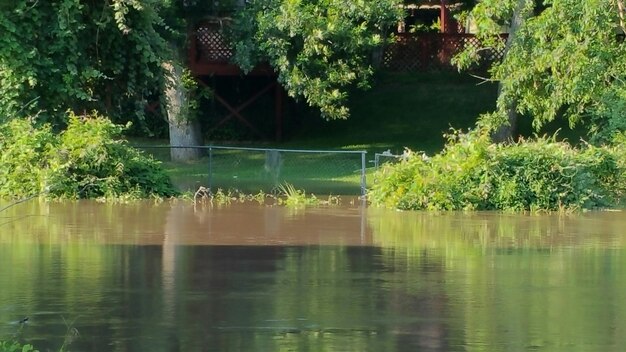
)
(252, 149)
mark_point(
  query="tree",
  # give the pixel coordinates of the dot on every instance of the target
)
(318, 48)
(77, 55)
(566, 60)
(107, 56)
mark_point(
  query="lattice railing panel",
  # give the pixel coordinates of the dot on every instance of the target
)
(211, 44)
(409, 52)
(428, 51)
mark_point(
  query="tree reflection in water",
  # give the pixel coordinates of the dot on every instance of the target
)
(147, 276)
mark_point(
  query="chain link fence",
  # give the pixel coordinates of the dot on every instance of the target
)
(386, 157)
(263, 169)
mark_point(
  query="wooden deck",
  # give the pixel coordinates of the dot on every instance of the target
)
(432, 51)
(210, 53)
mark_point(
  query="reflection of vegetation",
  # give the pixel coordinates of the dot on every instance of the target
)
(39, 222)
(485, 281)
(512, 281)
(54, 265)
(328, 306)
(461, 233)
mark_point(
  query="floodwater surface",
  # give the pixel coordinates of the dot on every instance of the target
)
(247, 277)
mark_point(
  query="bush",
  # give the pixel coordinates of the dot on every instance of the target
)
(471, 173)
(6, 346)
(24, 156)
(87, 160)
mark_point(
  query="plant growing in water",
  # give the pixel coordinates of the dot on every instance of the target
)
(290, 197)
(295, 197)
(13, 346)
(225, 197)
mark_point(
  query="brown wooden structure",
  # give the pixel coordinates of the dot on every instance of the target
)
(432, 51)
(210, 55)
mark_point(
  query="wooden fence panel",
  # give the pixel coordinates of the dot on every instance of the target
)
(409, 53)
(432, 51)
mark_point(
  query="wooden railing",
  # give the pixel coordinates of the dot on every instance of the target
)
(432, 51)
(212, 45)
(211, 53)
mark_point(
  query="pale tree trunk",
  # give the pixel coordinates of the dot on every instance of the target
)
(505, 132)
(621, 9)
(184, 129)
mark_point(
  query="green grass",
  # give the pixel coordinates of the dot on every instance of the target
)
(408, 110)
(247, 171)
(401, 110)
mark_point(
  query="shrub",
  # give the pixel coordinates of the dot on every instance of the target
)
(6, 346)
(24, 157)
(87, 160)
(473, 174)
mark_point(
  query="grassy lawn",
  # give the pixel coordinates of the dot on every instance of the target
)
(408, 110)
(251, 170)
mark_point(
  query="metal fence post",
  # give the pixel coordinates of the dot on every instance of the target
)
(363, 167)
(210, 168)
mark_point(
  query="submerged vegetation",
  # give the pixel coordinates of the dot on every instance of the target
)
(87, 160)
(295, 197)
(471, 173)
(287, 194)
(6, 346)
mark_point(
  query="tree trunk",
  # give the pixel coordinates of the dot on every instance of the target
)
(505, 132)
(184, 129)
(621, 9)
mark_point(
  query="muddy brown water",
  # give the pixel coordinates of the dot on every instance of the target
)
(170, 276)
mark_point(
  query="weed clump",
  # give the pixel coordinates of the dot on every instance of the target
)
(287, 195)
(12, 346)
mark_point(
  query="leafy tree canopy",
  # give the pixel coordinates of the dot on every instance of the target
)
(80, 55)
(319, 48)
(567, 59)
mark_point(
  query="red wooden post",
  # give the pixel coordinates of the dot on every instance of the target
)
(444, 16)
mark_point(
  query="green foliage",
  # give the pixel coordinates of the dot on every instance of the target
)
(24, 153)
(565, 60)
(80, 55)
(195, 93)
(6, 346)
(296, 197)
(319, 48)
(473, 174)
(289, 196)
(226, 197)
(87, 160)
